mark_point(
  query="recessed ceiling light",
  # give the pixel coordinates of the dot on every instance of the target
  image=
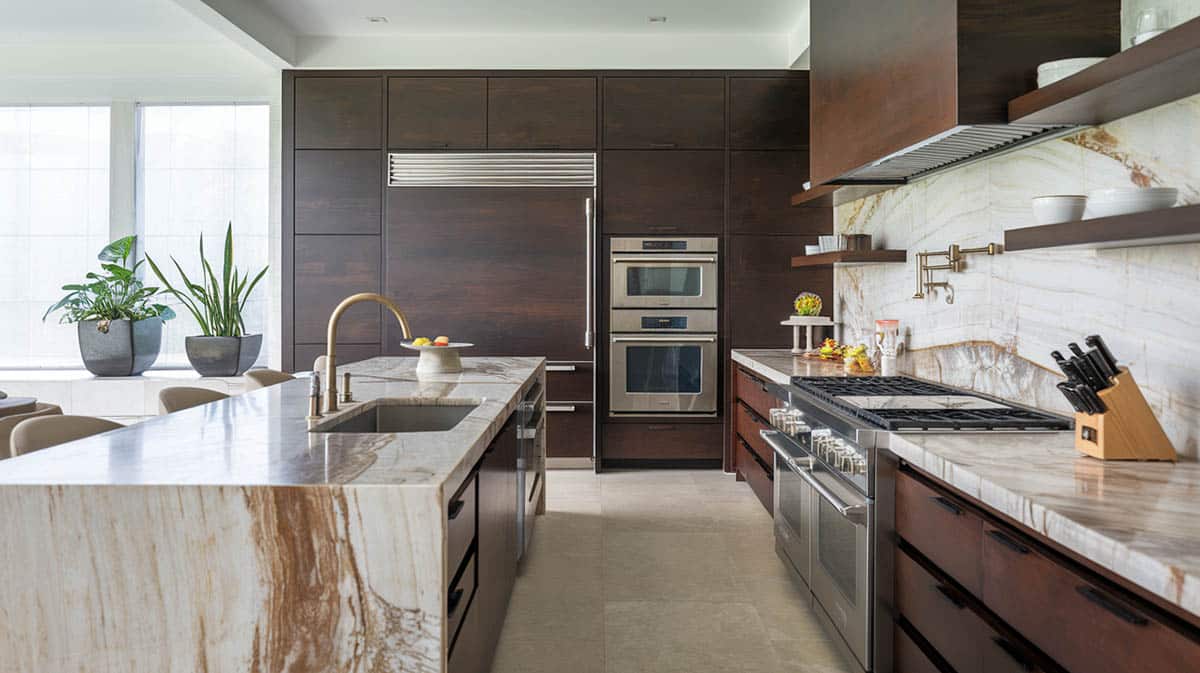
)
(658, 19)
(377, 19)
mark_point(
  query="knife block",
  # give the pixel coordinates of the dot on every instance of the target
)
(1128, 430)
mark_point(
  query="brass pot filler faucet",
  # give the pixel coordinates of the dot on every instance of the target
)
(954, 263)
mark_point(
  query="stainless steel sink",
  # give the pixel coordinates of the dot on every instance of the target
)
(403, 415)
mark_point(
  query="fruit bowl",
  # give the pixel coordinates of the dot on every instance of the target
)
(438, 359)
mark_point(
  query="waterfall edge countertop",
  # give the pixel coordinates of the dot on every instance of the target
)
(1135, 519)
(262, 438)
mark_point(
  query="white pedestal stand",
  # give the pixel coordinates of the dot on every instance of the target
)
(808, 323)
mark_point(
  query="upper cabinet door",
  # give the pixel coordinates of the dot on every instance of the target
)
(541, 113)
(767, 113)
(761, 183)
(664, 112)
(663, 192)
(437, 112)
(338, 112)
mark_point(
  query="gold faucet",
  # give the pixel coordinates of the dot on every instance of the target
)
(331, 404)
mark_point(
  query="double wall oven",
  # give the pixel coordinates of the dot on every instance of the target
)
(663, 326)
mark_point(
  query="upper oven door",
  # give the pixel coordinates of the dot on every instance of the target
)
(663, 374)
(664, 280)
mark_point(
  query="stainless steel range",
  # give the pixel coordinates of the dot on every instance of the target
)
(828, 500)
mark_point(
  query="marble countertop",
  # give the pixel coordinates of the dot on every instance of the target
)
(778, 365)
(262, 438)
(1137, 520)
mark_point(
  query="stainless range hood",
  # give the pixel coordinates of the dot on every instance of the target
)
(953, 148)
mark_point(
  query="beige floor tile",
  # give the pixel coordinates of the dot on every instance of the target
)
(667, 565)
(685, 637)
(548, 654)
(656, 512)
(812, 655)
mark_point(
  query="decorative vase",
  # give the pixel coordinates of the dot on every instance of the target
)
(119, 347)
(223, 356)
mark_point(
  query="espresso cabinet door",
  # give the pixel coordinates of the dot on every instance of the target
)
(762, 286)
(437, 112)
(338, 112)
(650, 192)
(329, 269)
(541, 113)
(339, 191)
(768, 112)
(664, 112)
(760, 187)
(497, 536)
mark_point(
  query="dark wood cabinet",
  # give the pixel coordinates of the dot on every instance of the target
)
(569, 429)
(756, 472)
(644, 442)
(942, 527)
(769, 112)
(541, 113)
(497, 537)
(760, 187)
(339, 191)
(437, 112)
(649, 192)
(750, 456)
(329, 269)
(762, 286)
(664, 112)
(338, 112)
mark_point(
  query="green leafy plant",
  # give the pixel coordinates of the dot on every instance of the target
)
(115, 294)
(216, 303)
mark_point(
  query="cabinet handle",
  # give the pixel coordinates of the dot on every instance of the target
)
(664, 145)
(1014, 653)
(947, 505)
(562, 408)
(456, 508)
(950, 595)
(560, 368)
(1111, 604)
(1007, 541)
(588, 218)
(453, 601)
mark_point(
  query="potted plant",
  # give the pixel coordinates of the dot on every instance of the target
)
(120, 331)
(224, 349)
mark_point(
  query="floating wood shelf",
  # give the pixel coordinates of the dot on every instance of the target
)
(850, 257)
(828, 196)
(1156, 227)
(1160, 70)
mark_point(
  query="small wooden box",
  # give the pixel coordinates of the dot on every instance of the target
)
(1128, 430)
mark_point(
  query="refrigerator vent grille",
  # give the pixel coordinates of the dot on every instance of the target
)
(494, 169)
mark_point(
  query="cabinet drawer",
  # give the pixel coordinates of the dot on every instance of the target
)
(569, 382)
(469, 653)
(461, 517)
(747, 427)
(663, 441)
(909, 658)
(458, 599)
(939, 612)
(569, 429)
(757, 474)
(1083, 624)
(940, 527)
(753, 391)
(664, 112)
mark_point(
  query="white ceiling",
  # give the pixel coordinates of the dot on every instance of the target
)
(491, 17)
(100, 21)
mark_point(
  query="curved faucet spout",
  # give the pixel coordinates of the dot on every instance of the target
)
(331, 338)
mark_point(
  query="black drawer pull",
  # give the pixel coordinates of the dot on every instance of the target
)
(950, 595)
(452, 602)
(1014, 653)
(1112, 605)
(1008, 542)
(947, 505)
(456, 508)
(664, 145)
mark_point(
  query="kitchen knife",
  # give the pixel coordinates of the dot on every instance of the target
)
(1094, 404)
(1096, 342)
(1088, 372)
(1072, 398)
(1101, 365)
(1071, 371)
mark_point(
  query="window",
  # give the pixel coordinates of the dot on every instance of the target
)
(201, 167)
(53, 220)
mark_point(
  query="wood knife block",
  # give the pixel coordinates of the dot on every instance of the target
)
(1128, 430)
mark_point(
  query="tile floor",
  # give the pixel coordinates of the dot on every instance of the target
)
(663, 571)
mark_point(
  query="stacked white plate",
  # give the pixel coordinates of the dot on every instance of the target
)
(1110, 202)
(1052, 71)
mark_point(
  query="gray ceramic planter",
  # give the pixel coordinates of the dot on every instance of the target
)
(121, 348)
(223, 356)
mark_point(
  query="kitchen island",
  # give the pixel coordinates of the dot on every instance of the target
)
(239, 536)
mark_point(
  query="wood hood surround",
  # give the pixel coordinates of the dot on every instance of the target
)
(889, 75)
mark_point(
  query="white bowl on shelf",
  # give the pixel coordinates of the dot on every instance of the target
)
(1050, 72)
(1124, 201)
(1059, 208)
(812, 249)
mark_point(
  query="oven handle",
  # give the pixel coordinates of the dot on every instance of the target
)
(670, 339)
(664, 258)
(856, 513)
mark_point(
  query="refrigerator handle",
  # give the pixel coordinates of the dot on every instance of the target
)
(588, 216)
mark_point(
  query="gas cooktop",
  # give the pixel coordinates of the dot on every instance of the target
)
(904, 403)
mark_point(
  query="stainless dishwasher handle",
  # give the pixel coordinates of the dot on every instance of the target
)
(587, 300)
(560, 408)
(855, 513)
(665, 258)
(560, 368)
(670, 339)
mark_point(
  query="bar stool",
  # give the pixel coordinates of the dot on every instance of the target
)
(7, 423)
(35, 434)
(178, 398)
(261, 378)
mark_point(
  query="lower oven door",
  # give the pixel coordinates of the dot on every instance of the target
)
(794, 502)
(663, 374)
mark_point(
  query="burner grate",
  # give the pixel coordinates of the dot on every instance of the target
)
(828, 387)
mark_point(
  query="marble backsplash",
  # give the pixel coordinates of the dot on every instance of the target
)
(1011, 310)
